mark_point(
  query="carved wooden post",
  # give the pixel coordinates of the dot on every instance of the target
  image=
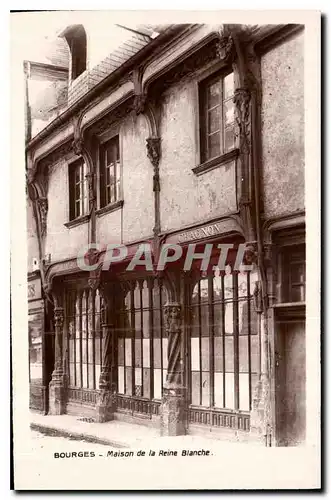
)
(56, 386)
(105, 401)
(173, 401)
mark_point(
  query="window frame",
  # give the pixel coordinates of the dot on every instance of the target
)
(74, 217)
(106, 206)
(204, 164)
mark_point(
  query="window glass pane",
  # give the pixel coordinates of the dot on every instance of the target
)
(243, 391)
(205, 353)
(165, 353)
(229, 139)
(146, 353)
(229, 354)
(297, 272)
(128, 357)
(121, 352)
(195, 388)
(214, 94)
(214, 145)
(218, 396)
(228, 108)
(229, 390)
(157, 384)
(128, 381)
(243, 354)
(195, 363)
(228, 86)
(121, 379)
(205, 389)
(97, 374)
(214, 120)
(218, 354)
(146, 383)
(138, 353)
(157, 353)
(35, 346)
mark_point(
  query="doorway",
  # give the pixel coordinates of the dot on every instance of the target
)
(291, 384)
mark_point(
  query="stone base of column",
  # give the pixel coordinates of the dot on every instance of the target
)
(57, 401)
(172, 411)
(105, 407)
(260, 430)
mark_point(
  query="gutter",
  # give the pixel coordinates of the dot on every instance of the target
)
(106, 82)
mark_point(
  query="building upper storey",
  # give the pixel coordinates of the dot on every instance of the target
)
(185, 93)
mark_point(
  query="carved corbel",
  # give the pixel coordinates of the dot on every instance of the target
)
(225, 49)
(95, 279)
(153, 145)
(242, 101)
(42, 205)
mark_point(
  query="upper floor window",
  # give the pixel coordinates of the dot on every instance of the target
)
(78, 189)
(294, 274)
(110, 172)
(217, 120)
(76, 39)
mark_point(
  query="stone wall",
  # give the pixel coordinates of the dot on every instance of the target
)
(283, 127)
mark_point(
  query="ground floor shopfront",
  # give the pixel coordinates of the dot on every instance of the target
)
(182, 351)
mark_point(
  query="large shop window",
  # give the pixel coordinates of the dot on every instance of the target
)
(142, 345)
(36, 326)
(110, 172)
(84, 349)
(217, 120)
(224, 344)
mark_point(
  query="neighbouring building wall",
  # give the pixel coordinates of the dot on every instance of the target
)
(283, 127)
(185, 197)
(32, 238)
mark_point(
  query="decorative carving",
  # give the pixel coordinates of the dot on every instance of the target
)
(43, 209)
(77, 146)
(153, 145)
(198, 59)
(257, 294)
(173, 327)
(111, 117)
(242, 99)
(225, 47)
(58, 318)
(139, 103)
(94, 279)
(58, 321)
(90, 181)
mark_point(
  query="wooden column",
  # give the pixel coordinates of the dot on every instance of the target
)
(105, 403)
(56, 386)
(173, 400)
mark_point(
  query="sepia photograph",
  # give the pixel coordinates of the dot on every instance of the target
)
(165, 244)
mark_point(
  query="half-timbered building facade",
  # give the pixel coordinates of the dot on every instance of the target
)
(184, 134)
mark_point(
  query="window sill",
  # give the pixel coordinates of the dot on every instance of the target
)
(77, 222)
(110, 208)
(215, 162)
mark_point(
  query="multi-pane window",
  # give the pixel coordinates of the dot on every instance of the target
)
(217, 127)
(78, 189)
(110, 172)
(224, 345)
(142, 345)
(84, 348)
(294, 274)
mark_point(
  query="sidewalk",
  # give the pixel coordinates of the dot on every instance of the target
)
(116, 434)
